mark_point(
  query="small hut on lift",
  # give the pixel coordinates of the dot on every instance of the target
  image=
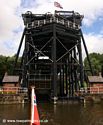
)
(96, 84)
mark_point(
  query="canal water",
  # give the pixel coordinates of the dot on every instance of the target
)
(60, 114)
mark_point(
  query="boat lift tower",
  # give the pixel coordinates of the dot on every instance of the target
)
(52, 56)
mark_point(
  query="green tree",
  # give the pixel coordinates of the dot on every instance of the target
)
(7, 65)
(96, 60)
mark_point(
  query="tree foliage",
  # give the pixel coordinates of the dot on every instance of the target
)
(6, 65)
(96, 60)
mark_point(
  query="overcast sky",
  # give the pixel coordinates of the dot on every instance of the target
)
(11, 24)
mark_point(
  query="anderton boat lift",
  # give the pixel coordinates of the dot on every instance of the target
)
(52, 56)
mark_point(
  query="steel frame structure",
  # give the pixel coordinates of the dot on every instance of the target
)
(52, 56)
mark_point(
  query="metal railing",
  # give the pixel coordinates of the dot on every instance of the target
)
(91, 90)
(65, 22)
(13, 90)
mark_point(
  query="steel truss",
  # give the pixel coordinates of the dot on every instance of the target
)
(52, 56)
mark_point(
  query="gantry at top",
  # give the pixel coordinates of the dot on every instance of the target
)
(69, 19)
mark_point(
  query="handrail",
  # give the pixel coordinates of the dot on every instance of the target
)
(13, 90)
(91, 90)
(65, 22)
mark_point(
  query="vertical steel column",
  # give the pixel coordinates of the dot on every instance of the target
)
(72, 72)
(63, 80)
(81, 64)
(60, 80)
(75, 71)
(66, 78)
(69, 73)
(54, 71)
(24, 70)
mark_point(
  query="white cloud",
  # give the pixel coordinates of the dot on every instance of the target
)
(89, 8)
(94, 43)
(10, 46)
(11, 20)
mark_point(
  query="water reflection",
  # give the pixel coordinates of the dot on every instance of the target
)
(60, 114)
(73, 114)
(11, 114)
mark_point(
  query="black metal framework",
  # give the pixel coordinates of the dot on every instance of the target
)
(52, 57)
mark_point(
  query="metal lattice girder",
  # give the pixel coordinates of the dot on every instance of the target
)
(52, 57)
